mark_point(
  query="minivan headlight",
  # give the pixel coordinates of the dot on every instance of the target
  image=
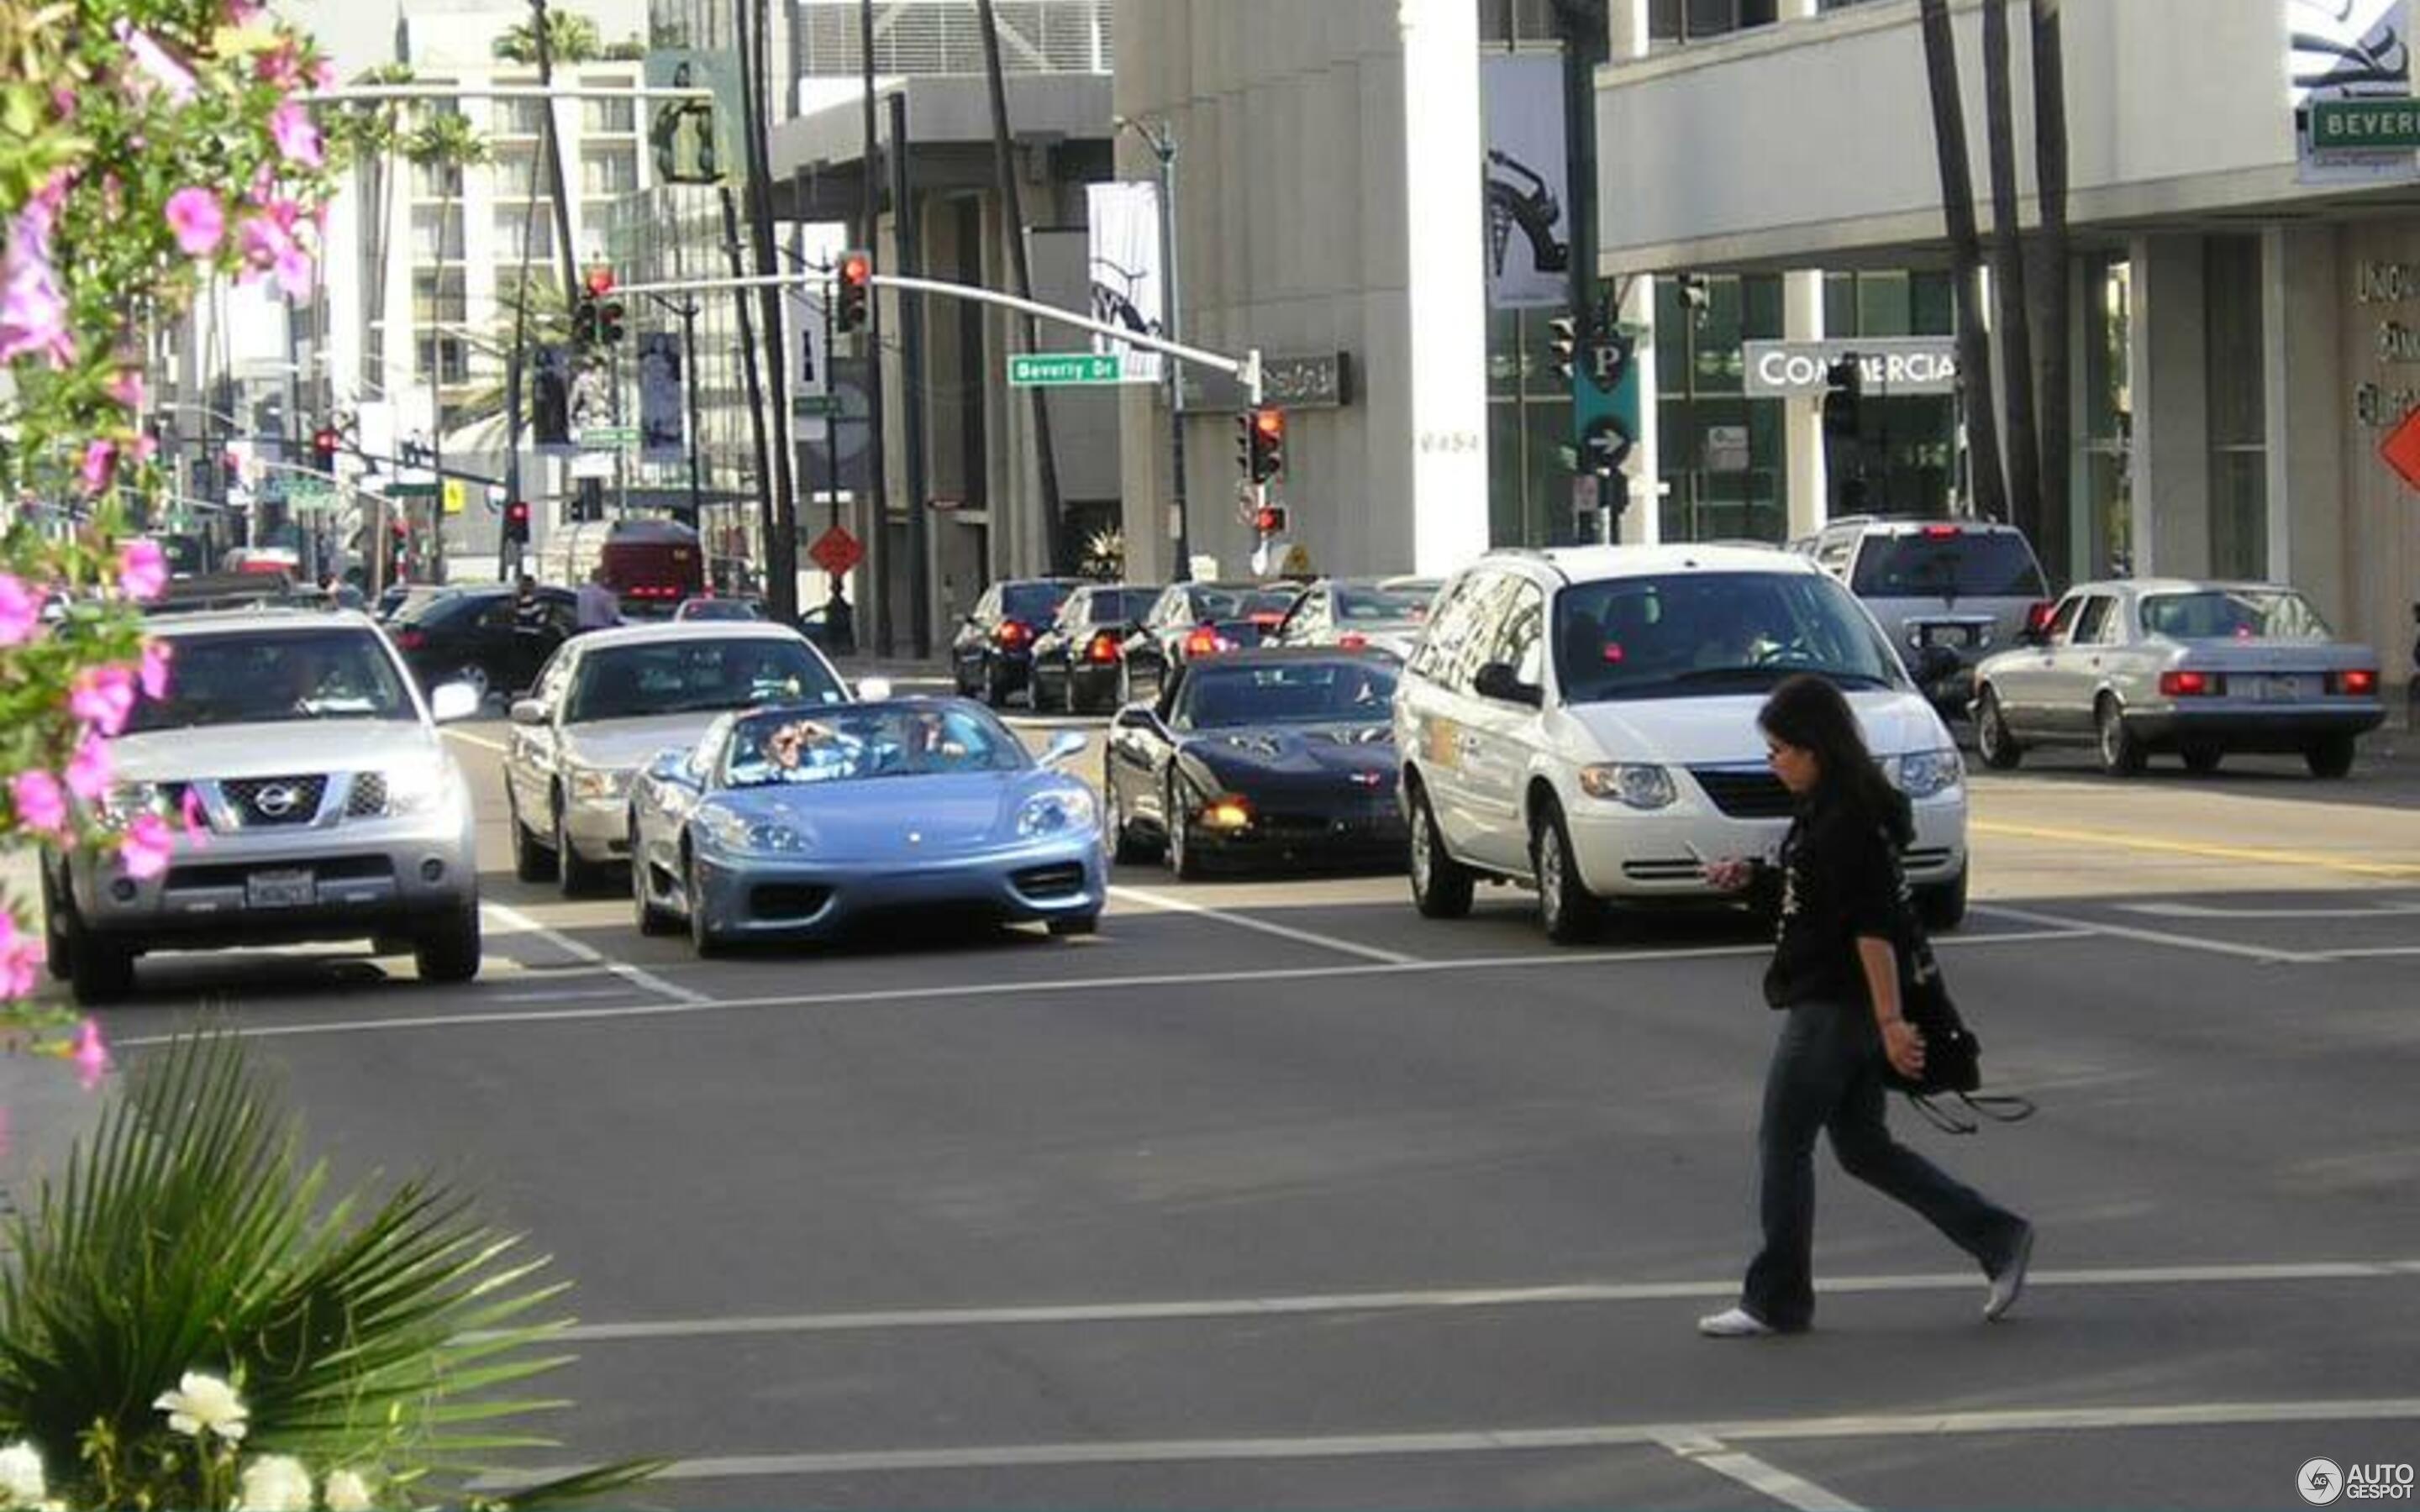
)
(1924, 773)
(1630, 784)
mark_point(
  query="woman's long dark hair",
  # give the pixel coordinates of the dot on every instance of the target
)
(1810, 712)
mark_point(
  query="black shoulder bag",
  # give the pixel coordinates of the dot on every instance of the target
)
(1953, 1057)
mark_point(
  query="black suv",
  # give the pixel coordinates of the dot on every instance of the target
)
(474, 636)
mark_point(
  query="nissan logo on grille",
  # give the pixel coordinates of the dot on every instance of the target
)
(277, 800)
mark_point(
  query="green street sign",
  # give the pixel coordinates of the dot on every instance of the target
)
(1039, 370)
(609, 436)
(815, 406)
(310, 493)
(2350, 125)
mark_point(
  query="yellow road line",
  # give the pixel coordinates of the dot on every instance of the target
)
(2310, 859)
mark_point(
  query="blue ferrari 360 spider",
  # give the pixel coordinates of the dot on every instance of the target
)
(787, 823)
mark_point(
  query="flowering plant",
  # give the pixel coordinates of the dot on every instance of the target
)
(146, 147)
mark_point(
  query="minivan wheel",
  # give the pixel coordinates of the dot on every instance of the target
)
(1568, 910)
(1992, 740)
(1441, 885)
(2121, 754)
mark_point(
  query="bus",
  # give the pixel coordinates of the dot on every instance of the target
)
(651, 565)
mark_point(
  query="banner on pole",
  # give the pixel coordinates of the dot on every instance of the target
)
(1128, 270)
(659, 397)
(1529, 220)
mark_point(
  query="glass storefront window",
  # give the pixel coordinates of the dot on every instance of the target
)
(2239, 484)
(2106, 426)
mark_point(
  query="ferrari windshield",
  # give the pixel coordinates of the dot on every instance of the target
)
(1224, 695)
(861, 742)
(1706, 634)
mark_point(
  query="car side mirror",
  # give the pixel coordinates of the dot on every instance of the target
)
(1497, 681)
(670, 765)
(873, 689)
(525, 711)
(1934, 663)
(453, 700)
(1063, 745)
(1135, 717)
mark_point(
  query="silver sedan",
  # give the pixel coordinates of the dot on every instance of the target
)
(2200, 668)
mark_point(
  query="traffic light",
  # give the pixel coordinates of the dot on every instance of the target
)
(324, 442)
(583, 319)
(1563, 337)
(608, 321)
(1267, 437)
(1269, 520)
(598, 318)
(1844, 384)
(517, 522)
(856, 288)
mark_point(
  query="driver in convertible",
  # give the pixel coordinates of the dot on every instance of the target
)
(809, 750)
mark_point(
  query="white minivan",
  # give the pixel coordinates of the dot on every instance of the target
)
(1584, 720)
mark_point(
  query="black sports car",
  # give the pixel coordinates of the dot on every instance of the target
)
(1284, 756)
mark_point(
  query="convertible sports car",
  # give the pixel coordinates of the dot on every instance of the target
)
(787, 823)
(1276, 755)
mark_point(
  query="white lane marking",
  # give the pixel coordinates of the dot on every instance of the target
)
(1500, 1441)
(1574, 1294)
(496, 746)
(635, 976)
(698, 1003)
(2377, 951)
(562, 995)
(1759, 1476)
(1283, 931)
(2152, 937)
(2176, 910)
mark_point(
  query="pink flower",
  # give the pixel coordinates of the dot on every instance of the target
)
(144, 850)
(21, 611)
(42, 803)
(297, 138)
(142, 572)
(197, 824)
(195, 216)
(33, 312)
(159, 66)
(153, 673)
(100, 465)
(281, 66)
(90, 771)
(104, 697)
(242, 12)
(323, 73)
(127, 389)
(20, 958)
(295, 272)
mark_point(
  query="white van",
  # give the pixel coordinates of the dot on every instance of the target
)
(1584, 721)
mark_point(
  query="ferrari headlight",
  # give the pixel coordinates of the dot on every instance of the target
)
(1630, 784)
(762, 837)
(1924, 773)
(1055, 813)
(597, 784)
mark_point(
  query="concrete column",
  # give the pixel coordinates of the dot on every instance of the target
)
(1439, 163)
(1643, 523)
(2302, 306)
(2168, 356)
(1626, 28)
(1808, 495)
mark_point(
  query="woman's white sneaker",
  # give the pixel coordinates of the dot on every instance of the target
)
(1734, 1323)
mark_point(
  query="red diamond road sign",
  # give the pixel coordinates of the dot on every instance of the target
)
(836, 552)
(2401, 449)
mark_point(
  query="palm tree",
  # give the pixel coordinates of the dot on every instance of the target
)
(1004, 173)
(2050, 286)
(1966, 257)
(570, 38)
(2009, 275)
(445, 142)
(366, 134)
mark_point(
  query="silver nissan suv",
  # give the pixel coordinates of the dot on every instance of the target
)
(301, 773)
(1972, 586)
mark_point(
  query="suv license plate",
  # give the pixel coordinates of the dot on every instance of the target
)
(1946, 635)
(279, 890)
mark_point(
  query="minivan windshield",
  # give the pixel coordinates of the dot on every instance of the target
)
(1710, 634)
(1945, 561)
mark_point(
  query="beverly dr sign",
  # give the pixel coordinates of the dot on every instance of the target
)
(1888, 364)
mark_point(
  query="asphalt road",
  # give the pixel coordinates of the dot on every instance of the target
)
(1274, 1193)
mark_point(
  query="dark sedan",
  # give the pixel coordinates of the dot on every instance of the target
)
(1267, 756)
(1196, 620)
(1078, 662)
(474, 636)
(992, 654)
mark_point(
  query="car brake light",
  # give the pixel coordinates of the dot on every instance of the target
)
(1351, 642)
(412, 639)
(2187, 684)
(2038, 616)
(1011, 632)
(1940, 532)
(1103, 648)
(2355, 682)
(1205, 641)
(1267, 621)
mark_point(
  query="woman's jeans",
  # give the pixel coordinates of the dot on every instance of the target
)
(1827, 1074)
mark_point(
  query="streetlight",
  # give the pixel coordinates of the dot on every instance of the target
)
(1160, 138)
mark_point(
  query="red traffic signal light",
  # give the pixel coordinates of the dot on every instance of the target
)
(600, 281)
(517, 522)
(324, 442)
(1269, 520)
(855, 286)
(1266, 445)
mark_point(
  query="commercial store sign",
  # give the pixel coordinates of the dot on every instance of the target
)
(1887, 365)
(1320, 381)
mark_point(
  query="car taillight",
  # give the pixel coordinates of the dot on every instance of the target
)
(1940, 532)
(1351, 642)
(2038, 616)
(2355, 682)
(1012, 633)
(1205, 641)
(1103, 648)
(2189, 685)
(412, 639)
